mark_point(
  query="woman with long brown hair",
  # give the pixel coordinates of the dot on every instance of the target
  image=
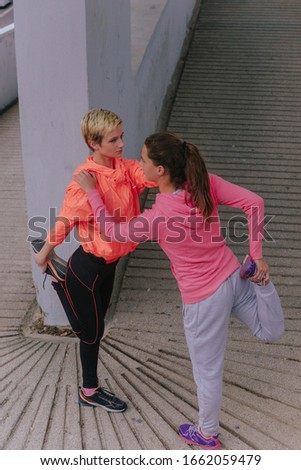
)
(184, 221)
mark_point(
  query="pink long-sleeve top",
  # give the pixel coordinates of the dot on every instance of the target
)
(200, 259)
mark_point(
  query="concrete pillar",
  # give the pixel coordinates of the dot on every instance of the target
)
(71, 55)
(8, 72)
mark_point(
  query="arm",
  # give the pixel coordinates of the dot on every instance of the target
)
(250, 203)
(262, 275)
(41, 257)
(137, 176)
(75, 207)
(253, 206)
(137, 230)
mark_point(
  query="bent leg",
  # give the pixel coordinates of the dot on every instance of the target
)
(259, 308)
(66, 302)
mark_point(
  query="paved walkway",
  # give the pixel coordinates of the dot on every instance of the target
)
(239, 100)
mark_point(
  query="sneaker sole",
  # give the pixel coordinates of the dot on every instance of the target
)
(56, 266)
(245, 271)
(216, 447)
(56, 270)
(84, 402)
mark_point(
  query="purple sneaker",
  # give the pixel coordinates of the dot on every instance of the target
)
(248, 268)
(189, 433)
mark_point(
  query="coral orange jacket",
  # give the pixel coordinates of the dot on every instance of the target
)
(120, 188)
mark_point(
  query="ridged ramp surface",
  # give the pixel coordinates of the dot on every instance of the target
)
(239, 100)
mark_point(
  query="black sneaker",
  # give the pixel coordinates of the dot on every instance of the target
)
(56, 266)
(104, 399)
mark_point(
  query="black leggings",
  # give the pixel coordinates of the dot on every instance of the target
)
(85, 296)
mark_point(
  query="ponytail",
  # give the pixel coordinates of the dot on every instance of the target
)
(197, 180)
(186, 167)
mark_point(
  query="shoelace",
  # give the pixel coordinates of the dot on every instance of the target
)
(102, 389)
(194, 430)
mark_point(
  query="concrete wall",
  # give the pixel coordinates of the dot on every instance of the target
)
(8, 72)
(72, 56)
(158, 64)
(53, 95)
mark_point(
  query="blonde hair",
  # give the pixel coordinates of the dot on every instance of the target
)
(98, 122)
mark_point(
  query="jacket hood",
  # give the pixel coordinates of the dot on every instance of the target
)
(117, 173)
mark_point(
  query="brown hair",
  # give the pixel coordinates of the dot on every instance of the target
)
(186, 167)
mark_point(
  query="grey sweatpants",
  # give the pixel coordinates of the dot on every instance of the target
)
(206, 329)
